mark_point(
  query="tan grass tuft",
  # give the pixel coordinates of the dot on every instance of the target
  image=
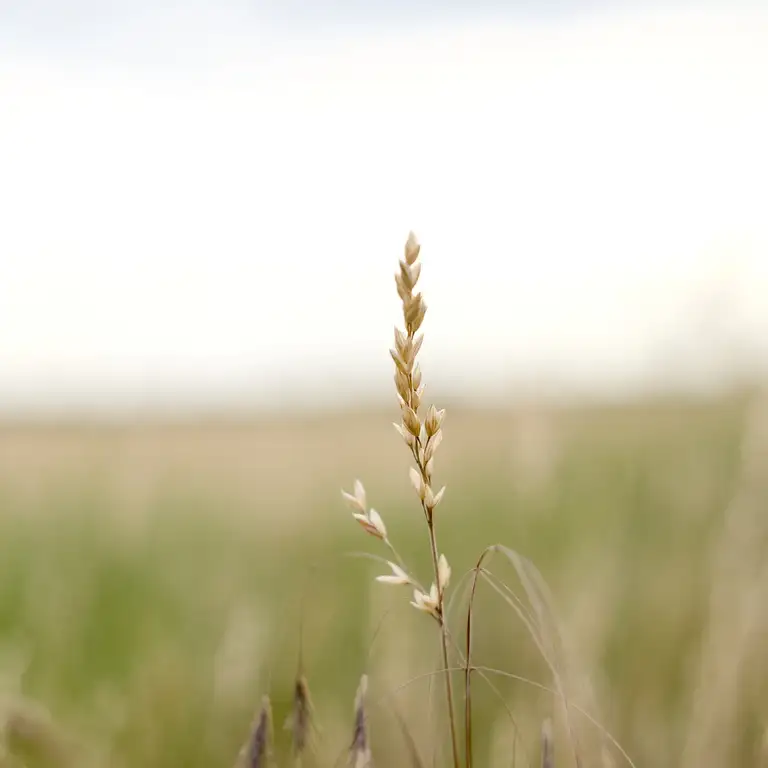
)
(29, 729)
(300, 720)
(360, 750)
(737, 609)
(256, 751)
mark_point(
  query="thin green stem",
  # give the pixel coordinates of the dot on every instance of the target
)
(444, 639)
(444, 648)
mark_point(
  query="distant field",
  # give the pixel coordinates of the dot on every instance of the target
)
(152, 579)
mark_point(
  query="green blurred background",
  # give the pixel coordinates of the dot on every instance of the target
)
(155, 579)
(202, 205)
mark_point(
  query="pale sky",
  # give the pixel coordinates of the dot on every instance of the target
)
(206, 206)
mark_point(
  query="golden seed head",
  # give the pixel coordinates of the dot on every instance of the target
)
(407, 344)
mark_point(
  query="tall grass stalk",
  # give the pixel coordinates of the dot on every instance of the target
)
(422, 436)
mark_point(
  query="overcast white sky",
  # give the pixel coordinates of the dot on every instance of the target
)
(205, 205)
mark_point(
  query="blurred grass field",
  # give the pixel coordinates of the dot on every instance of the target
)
(153, 579)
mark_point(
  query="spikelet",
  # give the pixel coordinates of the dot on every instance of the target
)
(368, 518)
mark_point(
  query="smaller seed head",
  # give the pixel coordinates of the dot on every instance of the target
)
(356, 500)
(398, 577)
(428, 603)
(372, 524)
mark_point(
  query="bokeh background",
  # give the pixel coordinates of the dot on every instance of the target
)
(201, 210)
